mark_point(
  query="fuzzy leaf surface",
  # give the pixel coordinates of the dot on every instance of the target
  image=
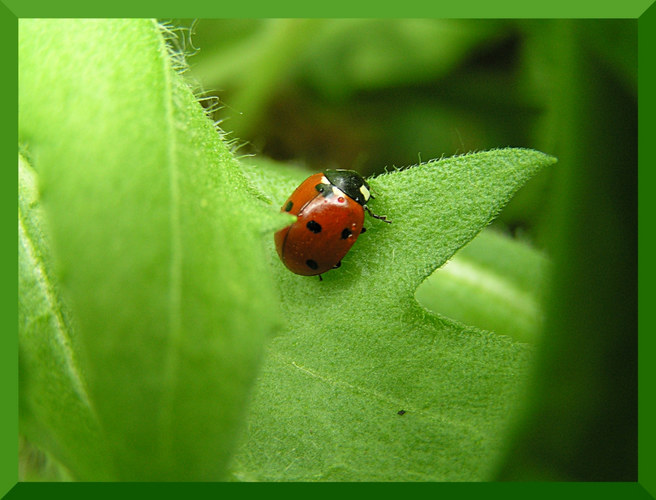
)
(358, 349)
(142, 199)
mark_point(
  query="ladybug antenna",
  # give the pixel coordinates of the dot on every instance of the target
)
(379, 217)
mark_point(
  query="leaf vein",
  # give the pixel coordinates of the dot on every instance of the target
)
(470, 429)
(175, 267)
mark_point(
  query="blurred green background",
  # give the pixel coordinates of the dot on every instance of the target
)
(374, 94)
(370, 94)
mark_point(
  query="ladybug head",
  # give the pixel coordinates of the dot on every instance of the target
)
(351, 183)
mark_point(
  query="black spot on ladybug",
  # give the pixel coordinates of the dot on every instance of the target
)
(337, 265)
(363, 230)
(400, 412)
(314, 226)
(346, 233)
(289, 206)
(311, 264)
(324, 189)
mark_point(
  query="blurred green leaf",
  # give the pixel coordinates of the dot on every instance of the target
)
(35, 465)
(358, 348)
(53, 395)
(338, 56)
(253, 67)
(142, 202)
(495, 283)
(252, 61)
(580, 421)
(349, 55)
(614, 42)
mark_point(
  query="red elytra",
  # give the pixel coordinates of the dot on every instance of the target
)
(329, 222)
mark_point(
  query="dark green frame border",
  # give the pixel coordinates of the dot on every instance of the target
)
(507, 491)
(646, 205)
(10, 11)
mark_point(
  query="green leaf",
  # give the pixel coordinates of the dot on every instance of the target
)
(355, 54)
(495, 283)
(147, 293)
(156, 248)
(53, 397)
(581, 415)
(35, 466)
(359, 349)
(254, 59)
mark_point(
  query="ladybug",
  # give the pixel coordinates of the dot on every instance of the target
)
(330, 213)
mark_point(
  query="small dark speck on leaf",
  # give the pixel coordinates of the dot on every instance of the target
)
(401, 412)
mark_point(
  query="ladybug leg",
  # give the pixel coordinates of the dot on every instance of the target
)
(379, 217)
(363, 229)
(337, 265)
(320, 278)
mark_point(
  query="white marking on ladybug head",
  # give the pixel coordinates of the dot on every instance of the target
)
(338, 192)
(324, 180)
(365, 192)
